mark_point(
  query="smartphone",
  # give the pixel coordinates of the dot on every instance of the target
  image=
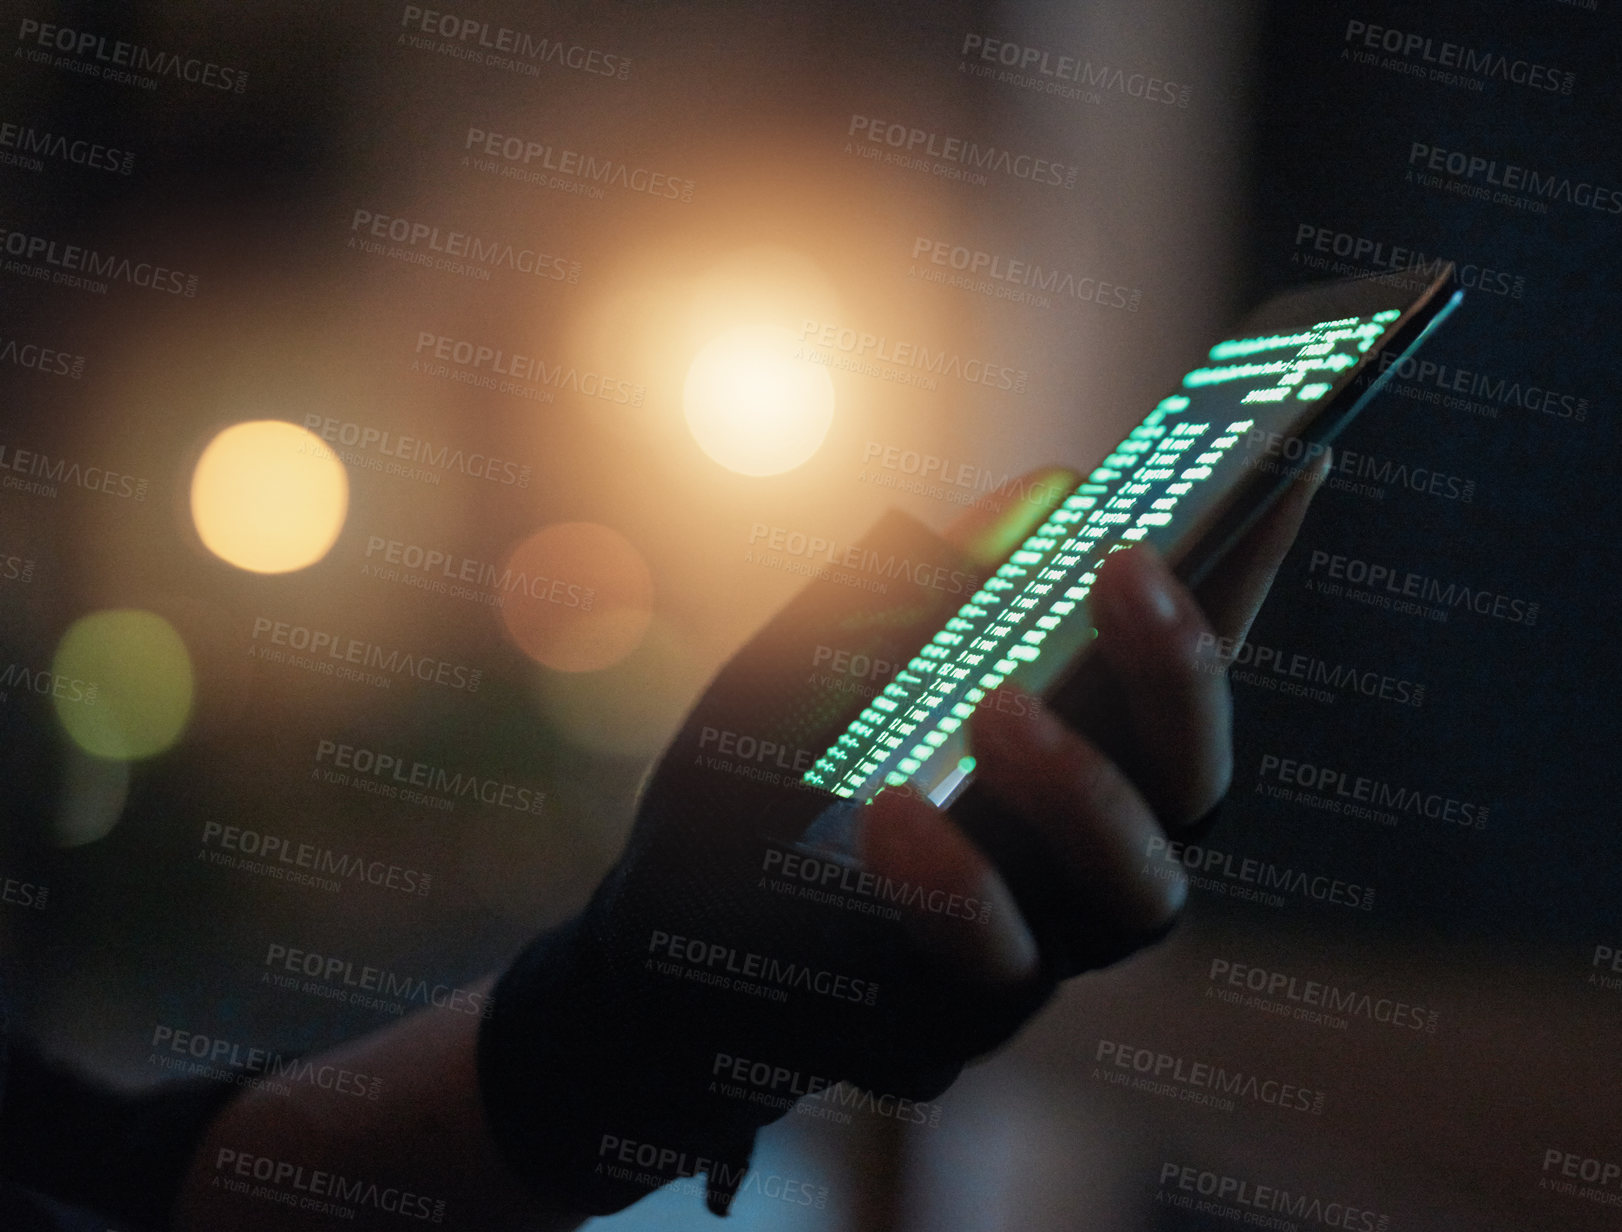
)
(1190, 479)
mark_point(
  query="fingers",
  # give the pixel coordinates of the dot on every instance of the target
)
(1090, 832)
(995, 525)
(1156, 643)
(1088, 817)
(1233, 594)
(1093, 819)
(969, 918)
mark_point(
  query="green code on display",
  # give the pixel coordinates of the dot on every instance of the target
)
(1153, 474)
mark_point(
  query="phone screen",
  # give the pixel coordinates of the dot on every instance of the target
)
(1188, 479)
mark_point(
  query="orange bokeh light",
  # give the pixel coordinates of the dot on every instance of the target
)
(580, 598)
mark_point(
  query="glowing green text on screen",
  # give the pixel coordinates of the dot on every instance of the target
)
(1136, 488)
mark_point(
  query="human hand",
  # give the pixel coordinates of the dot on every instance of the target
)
(1154, 758)
(609, 1065)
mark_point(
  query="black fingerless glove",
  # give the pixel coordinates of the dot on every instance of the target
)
(607, 1065)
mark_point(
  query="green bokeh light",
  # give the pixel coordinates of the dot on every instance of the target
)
(137, 679)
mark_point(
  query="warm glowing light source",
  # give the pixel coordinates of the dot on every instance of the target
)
(268, 496)
(123, 684)
(579, 596)
(753, 404)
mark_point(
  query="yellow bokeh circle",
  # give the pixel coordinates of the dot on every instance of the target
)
(754, 403)
(269, 496)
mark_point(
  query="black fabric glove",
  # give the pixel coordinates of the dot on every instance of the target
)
(123, 1154)
(606, 1066)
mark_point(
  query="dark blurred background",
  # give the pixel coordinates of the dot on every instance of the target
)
(1274, 141)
